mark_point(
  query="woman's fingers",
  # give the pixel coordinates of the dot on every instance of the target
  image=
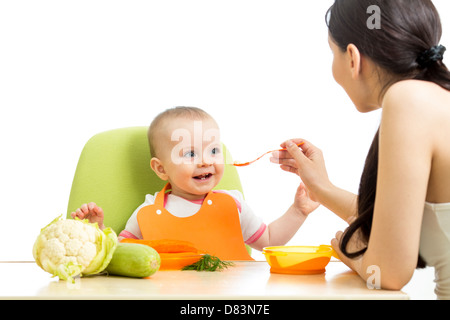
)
(295, 152)
(304, 159)
(282, 159)
(300, 147)
(289, 169)
(297, 141)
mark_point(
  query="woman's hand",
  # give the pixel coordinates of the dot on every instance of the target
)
(307, 162)
(92, 212)
(335, 243)
(353, 246)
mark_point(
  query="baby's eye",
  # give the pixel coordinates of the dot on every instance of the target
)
(215, 151)
(189, 154)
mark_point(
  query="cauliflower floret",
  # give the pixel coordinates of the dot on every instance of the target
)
(69, 241)
(87, 253)
(68, 247)
(72, 246)
(54, 250)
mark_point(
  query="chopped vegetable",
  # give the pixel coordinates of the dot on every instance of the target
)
(165, 245)
(67, 248)
(209, 263)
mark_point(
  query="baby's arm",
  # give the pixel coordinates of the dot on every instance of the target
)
(282, 230)
(92, 212)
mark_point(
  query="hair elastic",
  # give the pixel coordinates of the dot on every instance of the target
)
(431, 56)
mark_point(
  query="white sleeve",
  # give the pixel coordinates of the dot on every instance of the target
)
(132, 229)
(251, 224)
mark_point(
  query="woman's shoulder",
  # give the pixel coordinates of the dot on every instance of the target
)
(413, 91)
(417, 98)
(415, 109)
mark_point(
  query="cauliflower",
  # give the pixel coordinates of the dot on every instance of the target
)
(67, 248)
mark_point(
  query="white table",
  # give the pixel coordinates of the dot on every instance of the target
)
(245, 280)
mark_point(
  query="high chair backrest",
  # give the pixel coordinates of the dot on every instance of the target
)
(114, 172)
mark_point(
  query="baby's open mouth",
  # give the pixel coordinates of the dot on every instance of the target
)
(203, 176)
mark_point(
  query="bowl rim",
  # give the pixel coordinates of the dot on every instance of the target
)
(322, 249)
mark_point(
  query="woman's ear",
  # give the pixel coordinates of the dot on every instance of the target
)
(354, 59)
(158, 167)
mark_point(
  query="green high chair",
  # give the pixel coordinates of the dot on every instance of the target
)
(114, 172)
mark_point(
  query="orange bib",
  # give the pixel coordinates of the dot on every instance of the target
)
(214, 229)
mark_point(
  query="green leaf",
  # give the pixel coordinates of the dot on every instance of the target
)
(209, 263)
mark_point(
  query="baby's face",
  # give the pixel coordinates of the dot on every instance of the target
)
(191, 153)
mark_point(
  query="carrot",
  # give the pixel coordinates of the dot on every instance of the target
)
(165, 245)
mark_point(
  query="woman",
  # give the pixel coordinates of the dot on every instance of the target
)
(400, 219)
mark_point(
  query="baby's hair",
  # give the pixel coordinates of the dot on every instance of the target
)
(193, 113)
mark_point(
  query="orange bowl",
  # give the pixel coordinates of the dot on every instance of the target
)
(298, 259)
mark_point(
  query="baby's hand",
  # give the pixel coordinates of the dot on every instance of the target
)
(303, 202)
(92, 212)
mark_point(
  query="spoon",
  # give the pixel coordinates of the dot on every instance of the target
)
(245, 164)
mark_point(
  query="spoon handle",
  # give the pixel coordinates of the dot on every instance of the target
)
(245, 164)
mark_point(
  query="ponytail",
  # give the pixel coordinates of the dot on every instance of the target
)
(432, 68)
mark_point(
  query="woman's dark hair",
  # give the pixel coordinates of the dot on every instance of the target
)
(406, 46)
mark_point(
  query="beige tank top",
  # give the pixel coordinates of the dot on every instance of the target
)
(435, 245)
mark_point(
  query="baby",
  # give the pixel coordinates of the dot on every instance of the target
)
(187, 153)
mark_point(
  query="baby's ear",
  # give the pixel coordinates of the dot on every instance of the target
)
(158, 167)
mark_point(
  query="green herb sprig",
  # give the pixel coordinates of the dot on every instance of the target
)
(209, 263)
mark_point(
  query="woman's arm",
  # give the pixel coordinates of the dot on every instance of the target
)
(342, 202)
(405, 157)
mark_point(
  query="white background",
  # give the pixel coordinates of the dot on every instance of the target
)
(71, 69)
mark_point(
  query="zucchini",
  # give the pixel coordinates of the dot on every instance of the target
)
(134, 260)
